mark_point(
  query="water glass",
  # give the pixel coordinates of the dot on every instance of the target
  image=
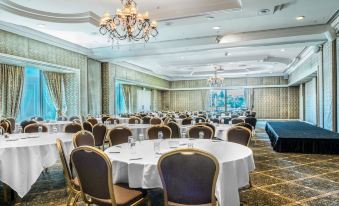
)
(183, 135)
(55, 129)
(131, 143)
(1, 131)
(19, 129)
(115, 122)
(141, 137)
(160, 135)
(156, 146)
(136, 122)
(190, 144)
(39, 128)
(201, 135)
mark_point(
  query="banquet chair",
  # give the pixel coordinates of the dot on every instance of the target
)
(155, 121)
(87, 126)
(254, 114)
(62, 118)
(93, 121)
(194, 131)
(99, 133)
(215, 120)
(104, 118)
(6, 125)
(73, 128)
(25, 123)
(200, 119)
(83, 138)
(240, 135)
(182, 116)
(74, 118)
(94, 170)
(246, 125)
(236, 120)
(39, 119)
(234, 116)
(225, 120)
(187, 121)
(152, 132)
(175, 129)
(252, 121)
(118, 135)
(185, 170)
(71, 181)
(33, 128)
(111, 120)
(12, 121)
(146, 120)
(208, 125)
(134, 120)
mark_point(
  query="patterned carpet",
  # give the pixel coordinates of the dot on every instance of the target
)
(279, 179)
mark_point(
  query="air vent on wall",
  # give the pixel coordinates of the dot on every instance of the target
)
(280, 7)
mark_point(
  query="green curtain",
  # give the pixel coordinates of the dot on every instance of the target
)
(11, 86)
(127, 97)
(55, 86)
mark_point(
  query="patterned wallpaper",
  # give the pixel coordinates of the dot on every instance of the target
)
(72, 81)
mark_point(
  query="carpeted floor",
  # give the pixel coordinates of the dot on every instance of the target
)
(279, 179)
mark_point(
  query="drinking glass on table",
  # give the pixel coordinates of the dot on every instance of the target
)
(55, 129)
(39, 128)
(1, 131)
(201, 135)
(141, 137)
(160, 135)
(131, 143)
(19, 129)
(156, 146)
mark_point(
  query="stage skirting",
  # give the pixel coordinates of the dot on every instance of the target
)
(301, 137)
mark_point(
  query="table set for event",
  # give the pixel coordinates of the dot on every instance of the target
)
(23, 156)
(137, 166)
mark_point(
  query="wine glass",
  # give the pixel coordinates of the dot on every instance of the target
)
(160, 135)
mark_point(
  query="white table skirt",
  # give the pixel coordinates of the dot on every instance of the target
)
(23, 160)
(235, 161)
(137, 129)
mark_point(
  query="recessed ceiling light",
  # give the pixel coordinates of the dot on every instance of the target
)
(216, 27)
(282, 50)
(41, 25)
(263, 11)
(300, 18)
(209, 17)
(227, 54)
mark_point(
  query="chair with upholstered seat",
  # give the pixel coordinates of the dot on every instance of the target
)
(155, 121)
(246, 125)
(111, 120)
(195, 131)
(6, 125)
(39, 119)
(208, 125)
(153, 131)
(104, 118)
(94, 170)
(62, 118)
(240, 135)
(118, 135)
(188, 177)
(87, 126)
(72, 128)
(236, 120)
(252, 121)
(25, 123)
(253, 114)
(215, 120)
(182, 116)
(71, 181)
(200, 119)
(74, 118)
(134, 120)
(99, 133)
(83, 138)
(175, 129)
(33, 128)
(187, 121)
(234, 116)
(93, 121)
(146, 120)
(225, 120)
(12, 121)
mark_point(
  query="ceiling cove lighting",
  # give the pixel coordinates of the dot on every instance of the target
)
(128, 24)
(216, 27)
(216, 81)
(300, 18)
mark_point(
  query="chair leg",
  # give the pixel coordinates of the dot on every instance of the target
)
(76, 198)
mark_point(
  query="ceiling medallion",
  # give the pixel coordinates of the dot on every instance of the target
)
(128, 23)
(216, 81)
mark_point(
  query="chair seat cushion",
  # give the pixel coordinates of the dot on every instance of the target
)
(125, 195)
(177, 204)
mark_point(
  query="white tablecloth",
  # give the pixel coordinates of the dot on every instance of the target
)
(235, 161)
(137, 129)
(23, 160)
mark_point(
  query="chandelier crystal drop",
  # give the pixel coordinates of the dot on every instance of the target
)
(216, 81)
(128, 24)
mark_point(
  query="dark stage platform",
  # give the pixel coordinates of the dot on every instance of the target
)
(301, 137)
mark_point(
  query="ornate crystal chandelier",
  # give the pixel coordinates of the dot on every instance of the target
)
(127, 23)
(216, 81)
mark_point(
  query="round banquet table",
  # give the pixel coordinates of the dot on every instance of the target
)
(139, 168)
(137, 129)
(24, 156)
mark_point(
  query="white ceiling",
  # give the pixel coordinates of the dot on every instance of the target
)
(186, 47)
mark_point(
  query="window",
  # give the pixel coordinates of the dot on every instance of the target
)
(227, 100)
(36, 100)
(235, 100)
(120, 101)
(218, 100)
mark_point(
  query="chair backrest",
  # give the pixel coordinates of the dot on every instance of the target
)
(99, 133)
(187, 121)
(73, 128)
(25, 123)
(246, 125)
(93, 121)
(111, 120)
(119, 135)
(226, 120)
(73, 118)
(94, 170)
(182, 116)
(175, 129)
(155, 121)
(67, 171)
(251, 120)
(194, 131)
(37, 119)
(83, 138)
(146, 120)
(152, 132)
(215, 120)
(208, 125)
(32, 128)
(62, 118)
(12, 121)
(87, 126)
(254, 114)
(234, 116)
(240, 135)
(134, 120)
(104, 118)
(200, 119)
(187, 170)
(237, 120)
(6, 125)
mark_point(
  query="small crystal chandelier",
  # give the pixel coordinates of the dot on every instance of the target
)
(127, 23)
(216, 81)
